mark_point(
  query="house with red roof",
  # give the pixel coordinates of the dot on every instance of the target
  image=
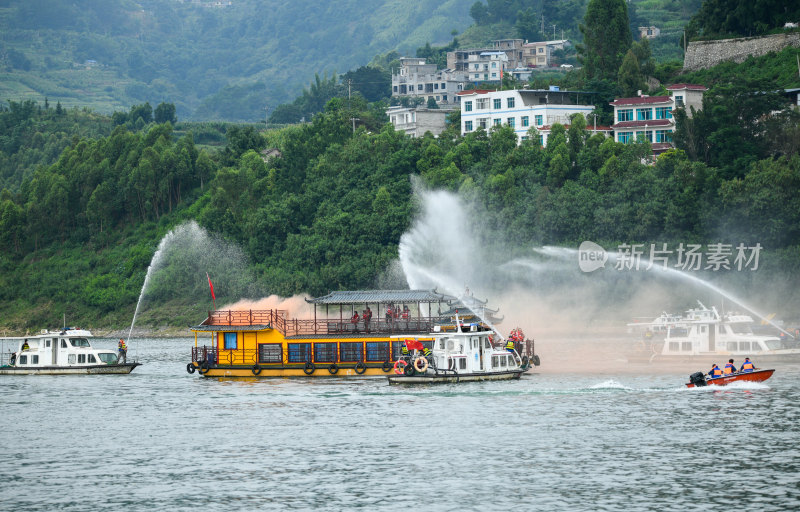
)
(650, 117)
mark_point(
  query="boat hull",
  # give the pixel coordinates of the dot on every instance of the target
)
(453, 378)
(755, 376)
(265, 371)
(104, 369)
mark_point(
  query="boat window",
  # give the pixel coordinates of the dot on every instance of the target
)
(503, 361)
(741, 328)
(270, 353)
(703, 329)
(35, 359)
(325, 352)
(378, 351)
(462, 363)
(71, 359)
(771, 345)
(397, 347)
(107, 357)
(674, 346)
(686, 346)
(350, 351)
(744, 346)
(441, 344)
(91, 358)
(495, 364)
(474, 342)
(81, 358)
(299, 352)
(47, 343)
(79, 342)
(486, 343)
(230, 340)
(23, 359)
(63, 343)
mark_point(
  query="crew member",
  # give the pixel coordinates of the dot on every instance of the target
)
(730, 368)
(367, 318)
(715, 371)
(426, 351)
(25, 345)
(510, 345)
(388, 314)
(122, 350)
(747, 366)
(354, 320)
(404, 348)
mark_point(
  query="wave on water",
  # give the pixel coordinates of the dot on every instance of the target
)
(740, 385)
(610, 384)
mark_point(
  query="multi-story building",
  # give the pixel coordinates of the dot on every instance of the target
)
(464, 59)
(650, 117)
(540, 54)
(415, 121)
(521, 109)
(417, 78)
(488, 66)
(650, 32)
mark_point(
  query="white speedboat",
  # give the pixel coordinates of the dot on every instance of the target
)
(702, 333)
(67, 351)
(461, 355)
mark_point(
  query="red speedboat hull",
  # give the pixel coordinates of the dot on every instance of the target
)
(754, 376)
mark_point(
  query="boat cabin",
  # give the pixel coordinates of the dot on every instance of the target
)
(68, 347)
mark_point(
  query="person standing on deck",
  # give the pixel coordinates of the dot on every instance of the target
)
(354, 321)
(730, 368)
(122, 350)
(747, 366)
(367, 318)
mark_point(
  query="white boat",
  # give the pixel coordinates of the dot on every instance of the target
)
(461, 355)
(702, 333)
(66, 351)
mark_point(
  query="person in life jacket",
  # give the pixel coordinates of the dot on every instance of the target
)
(715, 371)
(730, 368)
(747, 366)
(510, 345)
(404, 349)
(25, 346)
(426, 351)
(122, 348)
(354, 320)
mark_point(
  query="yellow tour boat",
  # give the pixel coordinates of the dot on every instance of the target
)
(352, 333)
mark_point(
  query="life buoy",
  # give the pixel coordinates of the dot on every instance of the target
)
(190, 368)
(421, 364)
(309, 368)
(536, 361)
(387, 367)
(333, 369)
(205, 367)
(400, 366)
(256, 369)
(360, 367)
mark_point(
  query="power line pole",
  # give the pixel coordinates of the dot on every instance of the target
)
(354, 119)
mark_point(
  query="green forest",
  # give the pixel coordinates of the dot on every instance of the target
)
(86, 198)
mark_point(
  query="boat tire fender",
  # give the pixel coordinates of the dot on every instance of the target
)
(309, 368)
(409, 370)
(387, 367)
(421, 364)
(256, 369)
(536, 361)
(525, 361)
(205, 367)
(360, 367)
(333, 369)
(190, 368)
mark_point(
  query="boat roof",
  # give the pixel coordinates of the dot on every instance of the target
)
(67, 332)
(381, 297)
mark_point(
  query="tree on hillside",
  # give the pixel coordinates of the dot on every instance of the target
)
(606, 38)
(165, 112)
(630, 78)
(734, 17)
(528, 26)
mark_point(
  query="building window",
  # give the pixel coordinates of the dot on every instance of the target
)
(483, 122)
(538, 119)
(644, 114)
(378, 351)
(436, 86)
(624, 115)
(325, 352)
(444, 85)
(394, 88)
(467, 126)
(497, 122)
(494, 65)
(510, 102)
(444, 97)
(498, 103)
(663, 113)
(477, 66)
(270, 353)
(525, 121)
(299, 352)
(230, 341)
(494, 75)
(485, 76)
(467, 106)
(624, 137)
(510, 122)
(482, 104)
(419, 87)
(541, 50)
(640, 136)
(663, 136)
(678, 101)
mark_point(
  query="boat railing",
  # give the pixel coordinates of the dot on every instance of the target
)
(278, 319)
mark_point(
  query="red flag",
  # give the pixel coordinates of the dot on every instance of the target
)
(211, 286)
(414, 345)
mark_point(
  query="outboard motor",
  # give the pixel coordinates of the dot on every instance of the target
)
(697, 379)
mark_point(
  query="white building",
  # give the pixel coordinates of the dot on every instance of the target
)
(414, 122)
(487, 66)
(417, 78)
(540, 54)
(520, 109)
(650, 117)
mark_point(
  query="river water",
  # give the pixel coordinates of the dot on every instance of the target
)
(161, 439)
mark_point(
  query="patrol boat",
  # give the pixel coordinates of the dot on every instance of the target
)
(463, 355)
(62, 352)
